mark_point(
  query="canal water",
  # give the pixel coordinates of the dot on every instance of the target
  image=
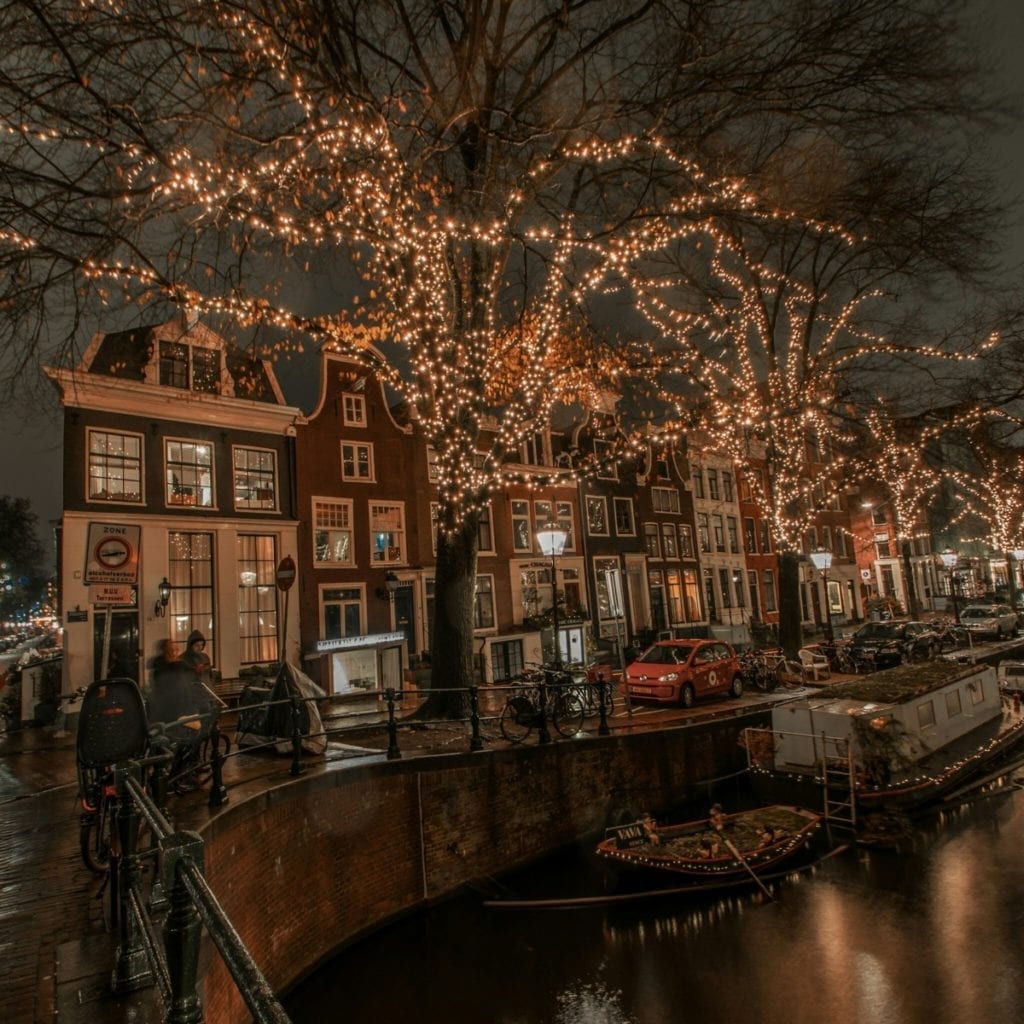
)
(931, 934)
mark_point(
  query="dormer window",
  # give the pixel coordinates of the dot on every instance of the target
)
(189, 367)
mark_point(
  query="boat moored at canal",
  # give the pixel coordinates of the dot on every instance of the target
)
(896, 739)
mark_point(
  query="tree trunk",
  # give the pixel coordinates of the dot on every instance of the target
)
(451, 642)
(790, 629)
(913, 605)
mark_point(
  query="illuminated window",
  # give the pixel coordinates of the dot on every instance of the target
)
(521, 526)
(332, 532)
(188, 473)
(115, 467)
(189, 367)
(353, 410)
(597, 517)
(255, 479)
(665, 499)
(356, 461)
(387, 533)
(256, 558)
(483, 603)
(652, 542)
(190, 572)
(604, 452)
(668, 540)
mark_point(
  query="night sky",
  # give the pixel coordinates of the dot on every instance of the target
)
(30, 454)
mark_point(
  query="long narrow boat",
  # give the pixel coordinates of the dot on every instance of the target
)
(746, 843)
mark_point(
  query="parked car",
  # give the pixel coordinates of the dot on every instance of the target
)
(995, 620)
(893, 643)
(680, 671)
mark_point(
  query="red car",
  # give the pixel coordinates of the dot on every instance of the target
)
(680, 671)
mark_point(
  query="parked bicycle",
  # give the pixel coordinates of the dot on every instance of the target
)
(851, 661)
(589, 688)
(951, 636)
(193, 743)
(762, 670)
(563, 707)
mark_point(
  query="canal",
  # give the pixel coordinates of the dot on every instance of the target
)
(930, 934)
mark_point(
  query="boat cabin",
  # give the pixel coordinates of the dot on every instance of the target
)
(905, 713)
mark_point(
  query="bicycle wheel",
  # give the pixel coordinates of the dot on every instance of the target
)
(517, 719)
(567, 714)
(94, 839)
(204, 769)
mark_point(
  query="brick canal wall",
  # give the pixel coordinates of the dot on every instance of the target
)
(315, 863)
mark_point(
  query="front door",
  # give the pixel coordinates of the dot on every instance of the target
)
(404, 622)
(124, 644)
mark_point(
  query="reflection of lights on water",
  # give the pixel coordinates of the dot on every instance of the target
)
(591, 1003)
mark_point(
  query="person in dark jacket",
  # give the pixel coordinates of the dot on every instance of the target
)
(171, 694)
(196, 657)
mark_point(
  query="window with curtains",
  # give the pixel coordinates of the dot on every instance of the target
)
(256, 558)
(190, 573)
(387, 532)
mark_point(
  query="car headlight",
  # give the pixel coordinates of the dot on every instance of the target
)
(670, 678)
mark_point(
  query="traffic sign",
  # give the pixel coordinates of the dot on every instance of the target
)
(112, 554)
(285, 575)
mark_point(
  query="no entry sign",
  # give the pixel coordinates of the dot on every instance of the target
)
(285, 573)
(112, 554)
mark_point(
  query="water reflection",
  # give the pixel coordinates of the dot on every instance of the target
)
(929, 935)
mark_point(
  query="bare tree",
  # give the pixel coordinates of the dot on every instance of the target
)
(485, 169)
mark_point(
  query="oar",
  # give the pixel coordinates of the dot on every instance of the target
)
(739, 856)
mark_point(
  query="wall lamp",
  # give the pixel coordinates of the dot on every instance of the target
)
(163, 596)
(391, 582)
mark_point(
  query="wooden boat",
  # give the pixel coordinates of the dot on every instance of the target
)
(738, 849)
(900, 739)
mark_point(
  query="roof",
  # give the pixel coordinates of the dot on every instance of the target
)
(903, 683)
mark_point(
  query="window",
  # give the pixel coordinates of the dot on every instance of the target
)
(624, 524)
(766, 538)
(737, 586)
(256, 558)
(353, 410)
(484, 532)
(668, 540)
(189, 473)
(387, 533)
(733, 530)
(770, 604)
(332, 532)
(661, 470)
(953, 705)
(521, 537)
(811, 539)
(255, 479)
(665, 499)
(723, 586)
(607, 589)
(189, 367)
(483, 603)
(727, 490)
(115, 466)
(719, 528)
(674, 591)
(878, 516)
(686, 540)
(882, 545)
(506, 660)
(433, 469)
(342, 609)
(703, 531)
(190, 572)
(744, 488)
(534, 449)
(826, 538)
(541, 515)
(976, 688)
(651, 542)
(713, 485)
(750, 536)
(563, 516)
(572, 596)
(691, 595)
(597, 517)
(607, 468)
(755, 603)
(356, 461)
(926, 714)
(841, 542)
(698, 482)
(535, 590)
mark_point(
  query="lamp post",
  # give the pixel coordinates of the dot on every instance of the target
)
(551, 539)
(822, 560)
(949, 560)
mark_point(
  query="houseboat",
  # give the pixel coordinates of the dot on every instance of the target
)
(897, 739)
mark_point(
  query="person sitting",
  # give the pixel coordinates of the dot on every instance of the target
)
(650, 827)
(196, 658)
(767, 836)
(708, 848)
(717, 817)
(176, 698)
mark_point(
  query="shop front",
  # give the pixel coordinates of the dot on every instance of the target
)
(361, 666)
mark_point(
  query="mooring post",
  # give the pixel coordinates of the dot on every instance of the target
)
(475, 743)
(393, 752)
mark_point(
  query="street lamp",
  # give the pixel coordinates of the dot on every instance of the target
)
(163, 592)
(949, 560)
(822, 560)
(551, 539)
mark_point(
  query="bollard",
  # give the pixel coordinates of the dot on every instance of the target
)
(218, 791)
(393, 752)
(543, 736)
(297, 767)
(131, 970)
(602, 706)
(182, 928)
(475, 743)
